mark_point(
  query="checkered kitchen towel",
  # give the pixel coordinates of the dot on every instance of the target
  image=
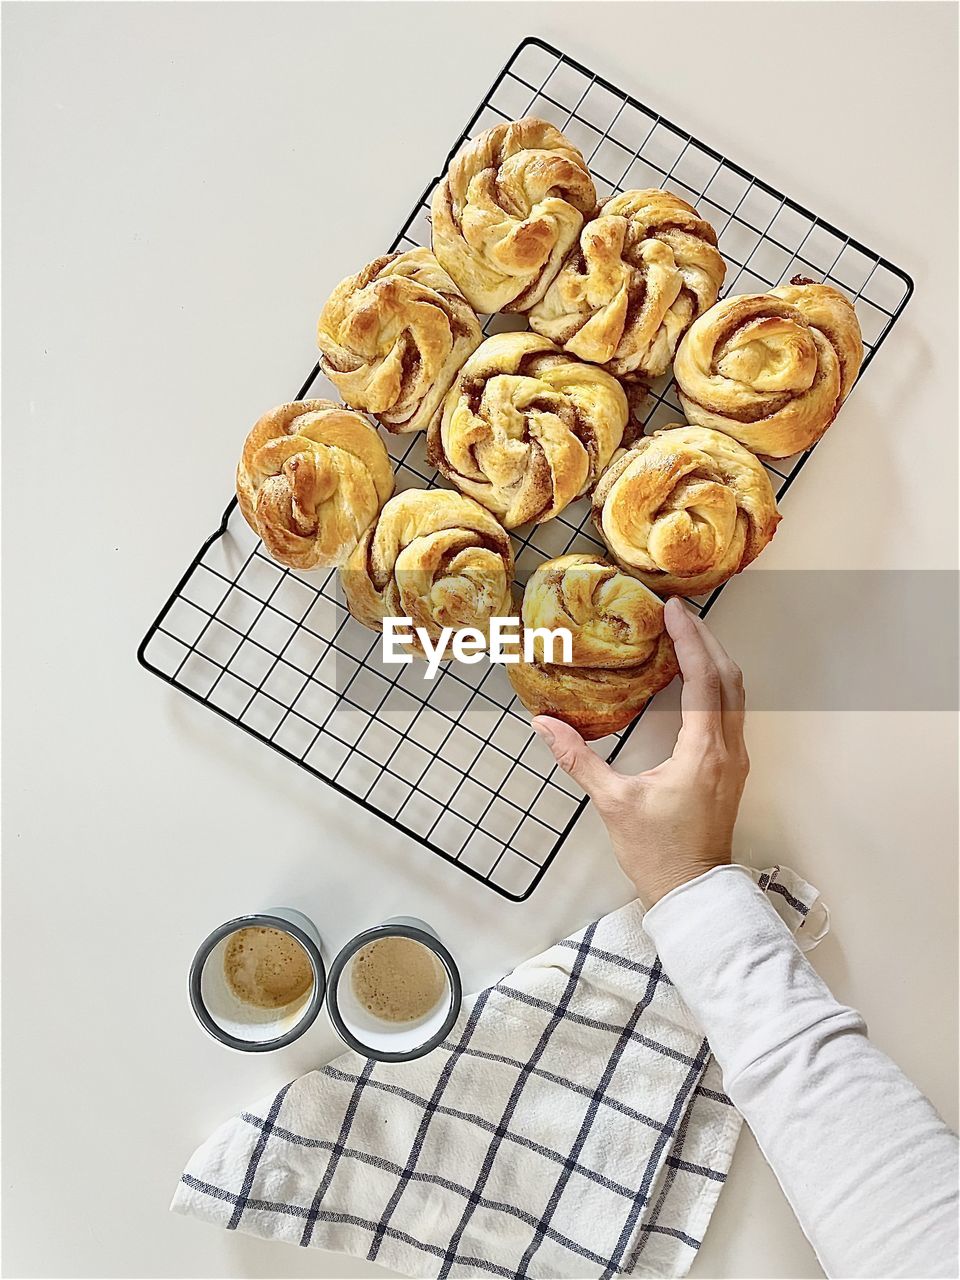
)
(573, 1124)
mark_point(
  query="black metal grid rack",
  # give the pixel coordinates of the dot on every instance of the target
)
(454, 763)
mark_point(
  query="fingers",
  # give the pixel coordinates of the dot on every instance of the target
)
(732, 699)
(574, 756)
(712, 701)
(700, 700)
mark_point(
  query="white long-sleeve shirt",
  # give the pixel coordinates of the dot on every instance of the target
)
(869, 1168)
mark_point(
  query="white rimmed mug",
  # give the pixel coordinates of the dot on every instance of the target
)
(375, 1037)
(244, 1026)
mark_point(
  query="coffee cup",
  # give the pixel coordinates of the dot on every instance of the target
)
(394, 991)
(258, 982)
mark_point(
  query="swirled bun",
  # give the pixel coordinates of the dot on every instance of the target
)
(621, 653)
(685, 509)
(771, 369)
(507, 212)
(644, 269)
(828, 311)
(526, 429)
(393, 337)
(312, 476)
(435, 557)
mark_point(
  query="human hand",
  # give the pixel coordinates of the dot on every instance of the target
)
(674, 822)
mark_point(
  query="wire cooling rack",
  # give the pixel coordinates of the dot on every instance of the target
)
(454, 762)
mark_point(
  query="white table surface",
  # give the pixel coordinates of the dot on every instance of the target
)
(183, 184)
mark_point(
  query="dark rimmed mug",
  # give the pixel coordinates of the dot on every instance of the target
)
(374, 1037)
(244, 1026)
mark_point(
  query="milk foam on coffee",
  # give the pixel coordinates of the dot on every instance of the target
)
(398, 979)
(266, 967)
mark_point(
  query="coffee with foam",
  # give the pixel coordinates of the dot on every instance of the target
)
(266, 967)
(397, 979)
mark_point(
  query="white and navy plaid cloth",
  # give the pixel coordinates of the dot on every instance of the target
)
(572, 1125)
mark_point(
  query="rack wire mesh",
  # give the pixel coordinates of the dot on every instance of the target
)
(453, 762)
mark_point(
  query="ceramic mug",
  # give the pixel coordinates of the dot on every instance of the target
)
(376, 1037)
(233, 1021)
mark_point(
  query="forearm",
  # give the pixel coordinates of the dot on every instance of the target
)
(868, 1166)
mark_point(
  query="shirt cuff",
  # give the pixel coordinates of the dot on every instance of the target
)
(737, 967)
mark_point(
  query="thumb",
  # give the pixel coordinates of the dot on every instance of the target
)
(573, 755)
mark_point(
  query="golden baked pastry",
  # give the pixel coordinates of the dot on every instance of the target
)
(621, 654)
(510, 207)
(832, 314)
(435, 557)
(771, 369)
(311, 478)
(393, 337)
(685, 509)
(645, 268)
(526, 429)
